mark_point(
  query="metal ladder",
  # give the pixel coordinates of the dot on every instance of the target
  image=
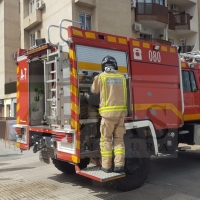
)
(53, 90)
(53, 78)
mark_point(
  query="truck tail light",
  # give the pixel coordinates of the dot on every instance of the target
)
(67, 137)
(19, 131)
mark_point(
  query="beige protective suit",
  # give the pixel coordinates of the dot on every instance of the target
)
(113, 109)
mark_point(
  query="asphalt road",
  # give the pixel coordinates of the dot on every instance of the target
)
(22, 176)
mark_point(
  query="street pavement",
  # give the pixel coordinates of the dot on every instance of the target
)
(24, 177)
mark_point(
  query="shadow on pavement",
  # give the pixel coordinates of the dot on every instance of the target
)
(101, 190)
(1, 164)
(5, 179)
(15, 169)
(10, 155)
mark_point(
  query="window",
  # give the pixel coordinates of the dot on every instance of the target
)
(32, 6)
(86, 20)
(189, 83)
(32, 39)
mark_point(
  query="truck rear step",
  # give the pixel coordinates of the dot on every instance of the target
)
(95, 173)
(184, 148)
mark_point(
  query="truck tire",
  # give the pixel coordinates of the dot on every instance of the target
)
(137, 165)
(68, 168)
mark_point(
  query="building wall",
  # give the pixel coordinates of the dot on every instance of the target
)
(104, 18)
(114, 18)
(9, 43)
(198, 7)
(52, 14)
(2, 51)
(11, 37)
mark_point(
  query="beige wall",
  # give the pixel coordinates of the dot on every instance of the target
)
(9, 41)
(2, 67)
(53, 13)
(104, 19)
(114, 17)
(198, 7)
(11, 37)
(109, 16)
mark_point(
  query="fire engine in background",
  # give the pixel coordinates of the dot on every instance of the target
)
(57, 114)
(190, 131)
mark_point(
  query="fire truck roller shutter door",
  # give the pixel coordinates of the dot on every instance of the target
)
(90, 58)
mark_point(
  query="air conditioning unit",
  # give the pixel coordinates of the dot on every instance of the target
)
(137, 27)
(40, 5)
(174, 7)
(15, 55)
(133, 3)
(183, 41)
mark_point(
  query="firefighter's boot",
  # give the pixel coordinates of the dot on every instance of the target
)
(106, 170)
(119, 169)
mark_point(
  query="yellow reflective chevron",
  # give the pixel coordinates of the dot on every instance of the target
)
(104, 88)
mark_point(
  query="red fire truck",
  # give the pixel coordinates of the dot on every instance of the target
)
(58, 117)
(189, 133)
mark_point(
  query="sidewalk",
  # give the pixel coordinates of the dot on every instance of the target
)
(8, 151)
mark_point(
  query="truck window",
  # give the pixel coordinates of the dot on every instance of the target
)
(189, 83)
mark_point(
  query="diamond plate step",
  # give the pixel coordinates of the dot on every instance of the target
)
(95, 173)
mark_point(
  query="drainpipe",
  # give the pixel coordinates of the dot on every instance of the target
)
(166, 27)
(166, 32)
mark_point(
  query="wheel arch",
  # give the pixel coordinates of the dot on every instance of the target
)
(144, 129)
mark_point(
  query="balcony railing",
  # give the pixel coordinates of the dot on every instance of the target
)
(151, 12)
(185, 49)
(179, 21)
(156, 40)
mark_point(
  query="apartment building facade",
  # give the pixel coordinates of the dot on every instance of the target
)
(173, 22)
(9, 42)
(168, 21)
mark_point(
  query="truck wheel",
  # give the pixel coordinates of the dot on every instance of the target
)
(68, 168)
(137, 164)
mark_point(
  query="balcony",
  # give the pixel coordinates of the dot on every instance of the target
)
(185, 49)
(33, 19)
(151, 12)
(179, 21)
(87, 3)
(156, 40)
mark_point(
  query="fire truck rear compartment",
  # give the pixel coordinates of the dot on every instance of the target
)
(36, 93)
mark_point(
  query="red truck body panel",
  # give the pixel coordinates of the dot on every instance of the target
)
(155, 84)
(22, 93)
(192, 99)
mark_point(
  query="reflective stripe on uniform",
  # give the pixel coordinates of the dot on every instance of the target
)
(106, 153)
(103, 78)
(125, 91)
(119, 151)
(112, 109)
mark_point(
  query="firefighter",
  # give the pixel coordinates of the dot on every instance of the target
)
(113, 94)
